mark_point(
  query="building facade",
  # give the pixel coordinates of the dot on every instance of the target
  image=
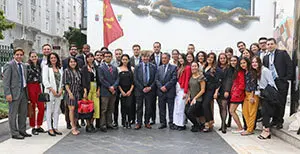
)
(41, 21)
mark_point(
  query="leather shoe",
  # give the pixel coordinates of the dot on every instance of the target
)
(34, 131)
(82, 123)
(69, 126)
(148, 126)
(137, 126)
(162, 127)
(18, 137)
(40, 130)
(51, 134)
(152, 123)
(57, 132)
(25, 134)
(103, 129)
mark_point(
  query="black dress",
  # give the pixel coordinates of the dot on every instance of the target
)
(125, 82)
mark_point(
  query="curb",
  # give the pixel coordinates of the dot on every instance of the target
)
(3, 120)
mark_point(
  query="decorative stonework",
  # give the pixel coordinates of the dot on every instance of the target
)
(206, 16)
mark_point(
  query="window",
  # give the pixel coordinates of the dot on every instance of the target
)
(19, 10)
(33, 15)
(33, 2)
(58, 17)
(47, 25)
(3, 6)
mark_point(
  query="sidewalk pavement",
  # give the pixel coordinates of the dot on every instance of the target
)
(241, 144)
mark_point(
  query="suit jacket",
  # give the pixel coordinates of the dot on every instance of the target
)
(11, 79)
(168, 80)
(49, 80)
(132, 61)
(86, 77)
(152, 59)
(80, 63)
(107, 79)
(283, 64)
(82, 58)
(139, 80)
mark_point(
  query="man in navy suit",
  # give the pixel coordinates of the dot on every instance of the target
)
(144, 81)
(281, 66)
(166, 78)
(155, 58)
(109, 81)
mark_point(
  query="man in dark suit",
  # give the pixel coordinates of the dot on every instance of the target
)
(73, 53)
(134, 61)
(241, 46)
(136, 58)
(14, 85)
(109, 81)
(144, 81)
(155, 58)
(85, 51)
(280, 64)
(262, 42)
(166, 78)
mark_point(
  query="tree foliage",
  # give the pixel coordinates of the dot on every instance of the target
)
(74, 36)
(4, 24)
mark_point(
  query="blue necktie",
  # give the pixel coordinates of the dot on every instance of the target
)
(21, 74)
(146, 75)
(272, 67)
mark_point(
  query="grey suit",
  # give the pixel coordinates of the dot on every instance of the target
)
(18, 106)
(107, 79)
(132, 61)
(167, 78)
(140, 95)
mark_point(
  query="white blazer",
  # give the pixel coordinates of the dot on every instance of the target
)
(49, 80)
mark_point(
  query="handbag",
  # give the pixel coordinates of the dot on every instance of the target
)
(44, 97)
(85, 109)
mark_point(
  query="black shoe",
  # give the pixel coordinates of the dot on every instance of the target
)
(25, 134)
(56, 132)
(279, 126)
(51, 133)
(195, 129)
(298, 132)
(273, 124)
(132, 122)
(82, 123)
(115, 124)
(77, 125)
(69, 126)
(173, 127)
(40, 130)
(18, 137)
(103, 129)
(181, 128)
(223, 128)
(34, 131)
(88, 129)
(162, 127)
(111, 127)
(152, 123)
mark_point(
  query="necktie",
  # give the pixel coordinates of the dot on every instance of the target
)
(110, 68)
(157, 60)
(165, 66)
(272, 66)
(146, 74)
(21, 74)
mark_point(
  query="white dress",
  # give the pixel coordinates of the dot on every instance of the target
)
(179, 106)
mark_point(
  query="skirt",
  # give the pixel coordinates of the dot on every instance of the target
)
(93, 96)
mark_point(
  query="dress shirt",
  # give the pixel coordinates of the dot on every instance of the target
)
(24, 80)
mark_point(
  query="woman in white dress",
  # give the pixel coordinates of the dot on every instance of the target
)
(183, 76)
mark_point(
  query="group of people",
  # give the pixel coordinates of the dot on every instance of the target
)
(184, 83)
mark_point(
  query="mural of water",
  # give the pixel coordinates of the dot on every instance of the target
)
(223, 5)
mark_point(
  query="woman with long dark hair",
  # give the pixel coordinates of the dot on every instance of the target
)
(237, 93)
(34, 80)
(251, 100)
(201, 59)
(224, 90)
(52, 81)
(91, 89)
(72, 83)
(212, 75)
(254, 48)
(126, 88)
(183, 76)
(264, 78)
(190, 58)
(194, 102)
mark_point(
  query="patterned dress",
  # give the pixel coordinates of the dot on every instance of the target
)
(73, 79)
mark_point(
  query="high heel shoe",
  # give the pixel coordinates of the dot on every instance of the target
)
(57, 132)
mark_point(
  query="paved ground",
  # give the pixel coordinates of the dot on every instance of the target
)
(143, 141)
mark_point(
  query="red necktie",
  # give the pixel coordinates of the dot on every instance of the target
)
(110, 69)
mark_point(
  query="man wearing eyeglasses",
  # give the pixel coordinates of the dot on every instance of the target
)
(263, 47)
